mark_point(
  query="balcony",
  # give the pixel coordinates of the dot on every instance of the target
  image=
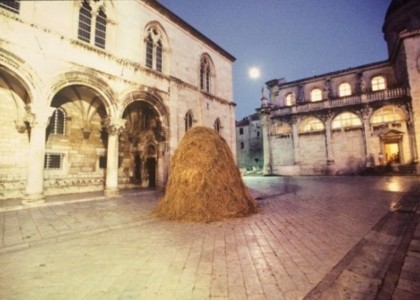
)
(341, 102)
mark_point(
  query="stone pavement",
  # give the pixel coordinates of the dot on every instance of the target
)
(312, 237)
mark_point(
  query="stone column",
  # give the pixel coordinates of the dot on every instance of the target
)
(264, 113)
(115, 127)
(330, 152)
(38, 121)
(295, 141)
(370, 161)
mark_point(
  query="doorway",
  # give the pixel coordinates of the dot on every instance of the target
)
(151, 169)
(392, 153)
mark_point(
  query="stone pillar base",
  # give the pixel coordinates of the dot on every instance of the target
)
(33, 199)
(111, 192)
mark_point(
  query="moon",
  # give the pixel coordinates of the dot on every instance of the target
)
(254, 73)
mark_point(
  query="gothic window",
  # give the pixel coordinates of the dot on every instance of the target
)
(86, 23)
(149, 52)
(11, 5)
(311, 124)
(85, 19)
(58, 122)
(53, 161)
(100, 30)
(378, 83)
(217, 125)
(344, 89)
(154, 49)
(387, 114)
(205, 74)
(188, 121)
(289, 99)
(316, 95)
(241, 131)
(346, 120)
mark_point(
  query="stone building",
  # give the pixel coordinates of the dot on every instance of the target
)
(249, 143)
(345, 122)
(96, 95)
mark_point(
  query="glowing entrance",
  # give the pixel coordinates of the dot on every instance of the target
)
(392, 153)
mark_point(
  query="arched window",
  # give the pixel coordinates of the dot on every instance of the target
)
(344, 89)
(57, 123)
(346, 120)
(388, 114)
(188, 120)
(316, 95)
(205, 74)
(100, 29)
(217, 125)
(311, 124)
(154, 49)
(289, 99)
(378, 83)
(280, 128)
(11, 5)
(86, 23)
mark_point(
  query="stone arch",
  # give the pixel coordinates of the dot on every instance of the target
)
(153, 100)
(145, 138)
(98, 85)
(22, 81)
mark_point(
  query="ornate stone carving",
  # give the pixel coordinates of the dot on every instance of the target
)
(115, 126)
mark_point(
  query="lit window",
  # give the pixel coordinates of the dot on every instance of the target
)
(100, 30)
(154, 49)
(346, 120)
(11, 5)
(378, 83)
(289, 99)
(316, 95)
(344, 89)
(217, 125)
(53, 161)
(58, 122)
(205, 74)
(311, 124)
(85, 19)
(388, 114)
(188, 121)
(280, 128)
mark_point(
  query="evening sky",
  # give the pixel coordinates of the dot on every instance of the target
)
(289, 39)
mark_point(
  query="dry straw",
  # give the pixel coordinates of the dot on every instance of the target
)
(204, 183)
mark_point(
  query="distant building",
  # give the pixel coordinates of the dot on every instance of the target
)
(249, 143)
(96, 95)
(347, 121)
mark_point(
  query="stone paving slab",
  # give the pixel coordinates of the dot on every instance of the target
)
(116, 249)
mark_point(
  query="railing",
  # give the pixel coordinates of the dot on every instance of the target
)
(340, 102)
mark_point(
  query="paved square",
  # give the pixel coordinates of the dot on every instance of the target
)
(116, 249)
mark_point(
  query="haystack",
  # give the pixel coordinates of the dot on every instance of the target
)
(204, 183)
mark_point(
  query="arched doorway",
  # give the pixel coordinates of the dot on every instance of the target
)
(140, 144)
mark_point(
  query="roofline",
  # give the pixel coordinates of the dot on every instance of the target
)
(274, 82)
(173, 17)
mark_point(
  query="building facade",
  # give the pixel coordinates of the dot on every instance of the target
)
(96, 95)
(352, 120)
(249, 144)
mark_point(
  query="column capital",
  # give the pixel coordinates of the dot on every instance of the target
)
(115, 126)
(38, 116)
